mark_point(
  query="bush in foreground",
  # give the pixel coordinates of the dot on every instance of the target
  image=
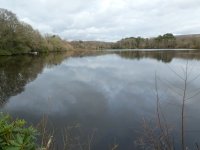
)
(14, 135)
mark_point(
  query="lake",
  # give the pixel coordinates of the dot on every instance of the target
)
(98, 100)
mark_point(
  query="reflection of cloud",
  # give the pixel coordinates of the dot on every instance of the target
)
(91, 82)
(108, 19)
(100, 85)
(109, 92)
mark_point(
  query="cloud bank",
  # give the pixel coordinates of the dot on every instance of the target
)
(108, 20)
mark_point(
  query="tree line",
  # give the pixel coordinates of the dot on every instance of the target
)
(165, 41)
(18, 37)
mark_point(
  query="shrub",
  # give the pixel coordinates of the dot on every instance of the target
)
(14, 135)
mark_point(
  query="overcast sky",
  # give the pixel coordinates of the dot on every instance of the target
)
(108, 20)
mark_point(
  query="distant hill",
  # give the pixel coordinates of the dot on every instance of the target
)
(166, 41)
(188, 36)
(91, 45)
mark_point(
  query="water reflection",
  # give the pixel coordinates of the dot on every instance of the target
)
(17, 71)
(165, 56)
(110, 93)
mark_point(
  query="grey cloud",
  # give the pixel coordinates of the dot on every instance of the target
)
(108, 20)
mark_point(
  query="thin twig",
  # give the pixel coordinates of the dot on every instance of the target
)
(183, 109)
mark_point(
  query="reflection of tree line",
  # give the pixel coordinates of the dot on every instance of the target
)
(164, 56)
(17, 71)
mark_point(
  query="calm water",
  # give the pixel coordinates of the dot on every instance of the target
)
(104, 96)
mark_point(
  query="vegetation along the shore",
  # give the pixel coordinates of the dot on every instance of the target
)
(17, 37)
